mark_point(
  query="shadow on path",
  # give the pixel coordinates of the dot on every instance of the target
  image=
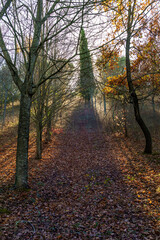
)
(82, 193)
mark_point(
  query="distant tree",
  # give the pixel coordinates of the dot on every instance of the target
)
(110, 65)
(87, 83)
(49, 99)
(111, 68)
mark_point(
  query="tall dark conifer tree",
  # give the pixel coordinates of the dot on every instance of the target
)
(87, 83)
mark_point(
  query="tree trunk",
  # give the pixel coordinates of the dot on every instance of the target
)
(4, 109)
(48, 133)
(92, 101)
(39, 140)
(125, 120)
(39, 120)
(104, 101)
(148, 146)
(21, 178)
(12, 107)
(100, 104)
(113, 109)
(153, 104)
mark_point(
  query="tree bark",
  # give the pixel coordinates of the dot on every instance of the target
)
(104, 103)
(95, 102)
(12, 107)
(39, 124)
(125, 120)
(153, 104)
(48, 133)
(148, 139)
(39, 140)
(21, 178)
(148, 146)
(4, 109)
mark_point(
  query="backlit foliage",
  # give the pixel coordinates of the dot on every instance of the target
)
(142, 19)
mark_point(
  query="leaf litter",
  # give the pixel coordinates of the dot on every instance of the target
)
(88, 185)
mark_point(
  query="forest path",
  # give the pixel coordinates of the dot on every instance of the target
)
(79, 190)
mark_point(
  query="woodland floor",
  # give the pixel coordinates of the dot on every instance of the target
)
(88, 185)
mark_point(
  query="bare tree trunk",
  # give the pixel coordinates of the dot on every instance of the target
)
(48, 133)
(21, 178)
(125, 120)
(114, 106)
(153, 104)
(4, 108)
(148, 146)
(104, 102)
(12, 107)
(39, 140)
(39, 121)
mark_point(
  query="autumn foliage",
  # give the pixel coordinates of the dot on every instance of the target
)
(144, 53)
